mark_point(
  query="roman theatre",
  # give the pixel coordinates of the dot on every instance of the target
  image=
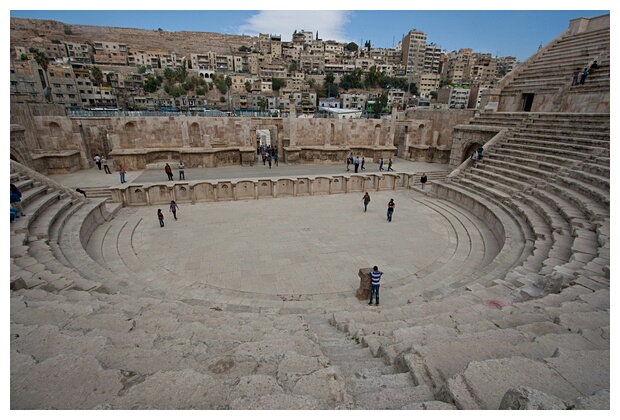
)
(496, 285)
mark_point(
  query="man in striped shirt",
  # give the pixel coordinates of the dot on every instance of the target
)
(375, 276)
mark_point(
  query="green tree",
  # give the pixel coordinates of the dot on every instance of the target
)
(96, 74)
(277, 83)
(380, 104)
(152, 83)
(434, 94)
(201, 91)
(142, 69)
(262, 104)
(373, 77)
(292, 67)
(351, 47)
(248, 86)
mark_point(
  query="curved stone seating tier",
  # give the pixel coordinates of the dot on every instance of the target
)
(143, 353)
(482, 331)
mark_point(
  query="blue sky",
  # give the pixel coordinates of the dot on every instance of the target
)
(499, 32)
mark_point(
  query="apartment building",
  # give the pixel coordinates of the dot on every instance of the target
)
(432, 58)
(79, 52)
(27, 79)
(353, 100)
(413, 51)
(427, 83)
(64, 87)
(311, 63)
(303, 37)
(111, 53)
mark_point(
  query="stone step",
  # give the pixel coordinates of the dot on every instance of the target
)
(482, 385)
(34, 209)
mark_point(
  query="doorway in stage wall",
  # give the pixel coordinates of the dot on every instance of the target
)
(526, 102)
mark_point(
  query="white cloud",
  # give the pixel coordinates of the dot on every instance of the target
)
(329, 23)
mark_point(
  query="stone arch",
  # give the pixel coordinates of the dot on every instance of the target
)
(195, 138)
(378, 134)
(469, 149)
(129, 135)
(55, 130)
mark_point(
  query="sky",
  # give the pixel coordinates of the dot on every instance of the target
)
(516, 33)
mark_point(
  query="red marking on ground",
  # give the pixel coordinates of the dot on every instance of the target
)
(494, 303)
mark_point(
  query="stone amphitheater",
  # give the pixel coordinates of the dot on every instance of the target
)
(495, 296)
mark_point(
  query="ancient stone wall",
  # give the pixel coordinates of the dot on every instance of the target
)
(141, 141)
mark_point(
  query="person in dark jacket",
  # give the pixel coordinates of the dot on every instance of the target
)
(16, 199)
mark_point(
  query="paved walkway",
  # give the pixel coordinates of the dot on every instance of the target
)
(264, 252)
(94, 177)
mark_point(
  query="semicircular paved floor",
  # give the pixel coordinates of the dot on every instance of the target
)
(286, 248)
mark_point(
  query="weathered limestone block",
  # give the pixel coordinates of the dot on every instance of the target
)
(524, 398)
(363, 292)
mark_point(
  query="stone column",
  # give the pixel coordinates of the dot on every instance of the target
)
(363, 293)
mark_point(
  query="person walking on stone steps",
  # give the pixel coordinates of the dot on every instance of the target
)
(168, 170)
(363, 161)
(473, 159)
(381, 164)
(423, 180)
(275, 158)
(390, 165)
(366, 200)
(264, 155)
(104, 162)
(181, 171)
(160, 217)
(375, 278)
(480, 151)
(121, 172)
(356, 163)
(348, 162)
(173, 208)
(98, 161)
(390, 210)
(269, 159)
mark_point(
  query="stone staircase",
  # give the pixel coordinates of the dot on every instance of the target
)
(553, 69)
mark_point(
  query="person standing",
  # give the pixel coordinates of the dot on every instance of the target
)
(390, 210)
(375, 278)
(16, 199)
(423, 180)
(275, 157)
(480, 151)
(473, 159)
(356, 163)
(104, 162)
(160, 217)
(584, 74)
(264, 155)
(173, 208)
(121, 172)
(576, 77)
(362, 168)
(269, 159)
(348, 162)
(390, 165)
(181, 171)
(98, 161)
(366, 200)
(168, 170)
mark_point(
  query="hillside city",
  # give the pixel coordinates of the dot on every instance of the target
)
(261, 74)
